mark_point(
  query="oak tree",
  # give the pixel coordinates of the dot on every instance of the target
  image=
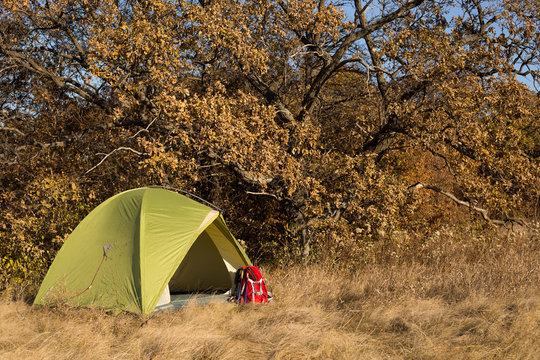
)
(317, 125)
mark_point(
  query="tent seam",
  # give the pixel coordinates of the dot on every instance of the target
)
(141, 257)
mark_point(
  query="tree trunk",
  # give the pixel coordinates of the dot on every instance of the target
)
(299, 221)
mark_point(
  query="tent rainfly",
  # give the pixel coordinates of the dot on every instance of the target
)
(139, 246)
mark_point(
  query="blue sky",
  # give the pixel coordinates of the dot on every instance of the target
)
(455, 11)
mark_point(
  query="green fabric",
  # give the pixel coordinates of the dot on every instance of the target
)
(151, 231)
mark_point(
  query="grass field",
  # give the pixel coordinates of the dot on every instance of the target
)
(464, 306)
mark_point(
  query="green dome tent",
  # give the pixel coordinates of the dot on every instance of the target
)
(135, 247)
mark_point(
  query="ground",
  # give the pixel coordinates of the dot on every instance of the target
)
(458, 307)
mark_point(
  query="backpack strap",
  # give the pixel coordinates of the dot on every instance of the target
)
(239, 280)
(254, 289)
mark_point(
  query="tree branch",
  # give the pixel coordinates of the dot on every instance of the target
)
(375, 58)
(15, 130)
(112, 152)
(271, 97)
(447, 162)
(452, 197)
(61, 82)
(143, 130)
(326, 71)
(75, 136)
(244, 174)
(264, 194)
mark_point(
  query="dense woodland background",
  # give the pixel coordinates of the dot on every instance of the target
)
(352, 132)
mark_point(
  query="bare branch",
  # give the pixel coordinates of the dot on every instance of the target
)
(359, 10)
(480, 13)
(80, 50)
(61, 82)
(375, 58)
(209, 166)
(452, 197)
(272, 97)
(15, 130)
(244, 174)
(112, 152)
(448, 166)
(264, 194)
(7, 68)
(346, 43)
(145, 129)
(75, 136)
(478, 35)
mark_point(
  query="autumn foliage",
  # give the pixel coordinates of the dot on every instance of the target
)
(347, 133)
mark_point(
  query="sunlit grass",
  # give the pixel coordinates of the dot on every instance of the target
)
(464, 307)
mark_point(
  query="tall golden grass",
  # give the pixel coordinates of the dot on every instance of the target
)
(472, 302)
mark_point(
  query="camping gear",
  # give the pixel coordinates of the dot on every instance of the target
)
(139, 246)
(249, 286)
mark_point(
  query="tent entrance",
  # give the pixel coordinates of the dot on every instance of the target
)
(208, 268)
(202, 270)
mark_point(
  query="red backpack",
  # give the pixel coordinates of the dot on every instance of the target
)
(249, 286)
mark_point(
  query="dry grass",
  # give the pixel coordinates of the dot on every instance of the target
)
(464, 306)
